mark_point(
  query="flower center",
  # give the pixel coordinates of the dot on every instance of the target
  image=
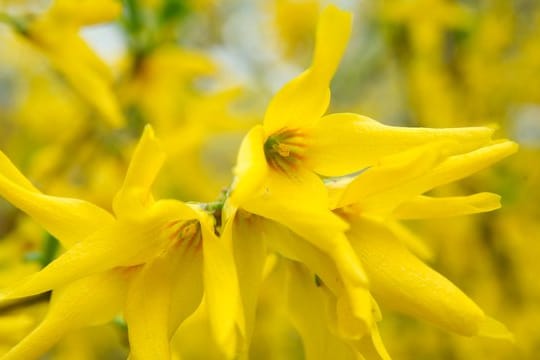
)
(186, 234)
(284, 149)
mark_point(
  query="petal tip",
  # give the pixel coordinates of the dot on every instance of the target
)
(491, 328)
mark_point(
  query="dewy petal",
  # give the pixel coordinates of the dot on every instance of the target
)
(304, 99)
(69, 220)
(404, 283)
(251, 167)
(425, 207)
(143, 169)
(307, 312)
(246, 233)
(344, 143)
(221, 288)
(453, 168)
(90, 301)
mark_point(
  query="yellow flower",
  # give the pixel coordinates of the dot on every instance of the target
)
(393, 189)
(154, 259)
(280, 162)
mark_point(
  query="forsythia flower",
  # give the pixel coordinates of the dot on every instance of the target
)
(280, 164)
(149, 259)
(318, 198)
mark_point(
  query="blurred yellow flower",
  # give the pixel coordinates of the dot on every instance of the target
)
(134, 257)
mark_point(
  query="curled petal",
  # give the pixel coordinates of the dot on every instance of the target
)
(305, 99)
(251, 167)
(145, 164)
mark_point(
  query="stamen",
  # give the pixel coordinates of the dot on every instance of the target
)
(284, 150)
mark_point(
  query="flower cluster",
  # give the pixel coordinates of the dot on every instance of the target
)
(320, 196)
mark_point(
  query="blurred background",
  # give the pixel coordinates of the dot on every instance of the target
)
(79, 79)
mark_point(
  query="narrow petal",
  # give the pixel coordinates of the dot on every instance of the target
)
(90, 301)
(344, 143)
(221, 289)
(305, 99)
(69, 220)
(390, 172)
(246, 234)
(143, 169)
(372, 347)
(307, 311)
(425, 207)
(251, 167)
(402, 282)
(147, 310)
(11, 173)
(453, 168)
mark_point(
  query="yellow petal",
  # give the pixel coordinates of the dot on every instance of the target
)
(345, 143)
(251, 167)
(353, 306)
(333, 33)
(390, 172)
(187, 288)
(221, 289)
(425, 207)
(247, 238)
(69, 220)
(150, 302)
(307, 312)
(143, 169)
(372, 347)
(402, 282)
(453, 168)
(91, 301)
(304, 99)
(11, 173)
(411, 241)
(125, 243)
